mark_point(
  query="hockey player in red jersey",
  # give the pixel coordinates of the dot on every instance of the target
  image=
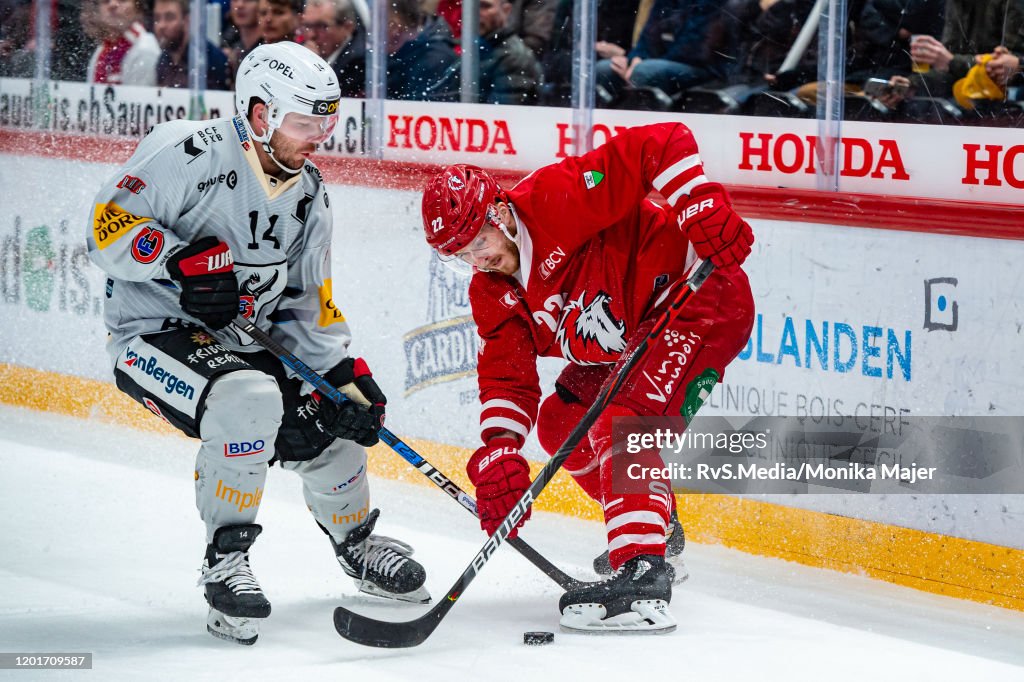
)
(575, 261)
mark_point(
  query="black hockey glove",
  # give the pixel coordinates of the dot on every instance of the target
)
(209, 290)
(361, 417)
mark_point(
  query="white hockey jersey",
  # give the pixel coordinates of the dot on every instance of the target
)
(192, 179)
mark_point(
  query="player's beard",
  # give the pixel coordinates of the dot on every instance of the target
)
(504, 260)
(289, 152)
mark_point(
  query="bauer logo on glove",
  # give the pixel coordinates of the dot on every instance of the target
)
(716, 231)
(695, 208)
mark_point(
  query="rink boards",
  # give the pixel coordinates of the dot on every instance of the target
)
(878, 291)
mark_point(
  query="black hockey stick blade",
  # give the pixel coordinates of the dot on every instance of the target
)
(385, 634)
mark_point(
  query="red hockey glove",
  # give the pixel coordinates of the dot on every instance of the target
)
(715, 230)
(209, 291)
(501, 476)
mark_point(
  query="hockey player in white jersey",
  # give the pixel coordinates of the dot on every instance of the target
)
(212, 219)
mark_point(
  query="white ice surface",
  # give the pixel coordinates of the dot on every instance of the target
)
(100, 544)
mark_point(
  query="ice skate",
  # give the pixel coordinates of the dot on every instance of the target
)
(381, 565)
(675, 541)
(234, 595)
(232, 629)
(633, 601)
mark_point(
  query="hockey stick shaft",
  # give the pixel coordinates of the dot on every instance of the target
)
(372, 632)
(399, 446)
(418, 462)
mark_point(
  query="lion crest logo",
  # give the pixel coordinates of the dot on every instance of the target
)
(588, 333)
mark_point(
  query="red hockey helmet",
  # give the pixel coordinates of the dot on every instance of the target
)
(456, 204)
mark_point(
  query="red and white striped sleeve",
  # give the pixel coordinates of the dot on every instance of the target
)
(680, 179)
(506, 364)
(500, 414)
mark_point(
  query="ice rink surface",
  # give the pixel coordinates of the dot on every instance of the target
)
(101, 545)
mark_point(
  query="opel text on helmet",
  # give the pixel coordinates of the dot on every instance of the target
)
(299, 88)
(456, 204)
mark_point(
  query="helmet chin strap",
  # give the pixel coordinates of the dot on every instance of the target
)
(264, 141)
(270, 152)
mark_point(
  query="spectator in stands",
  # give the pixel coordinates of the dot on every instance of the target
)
(1005, 66)
(761, 35)
(17, 48)
(531, 20)
(333, 31)
(242, 32)
(279, 20)
(509, 71)
(879, 47)
(679, 47)
(534, 22)
(71, 46)
(881, 37)
(422, 62)
(171, 27)
(619, 23)
(127, 53)
(69, 55)
(972, 28)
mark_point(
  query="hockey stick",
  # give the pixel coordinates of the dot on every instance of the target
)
(378, 633)
(401, 447)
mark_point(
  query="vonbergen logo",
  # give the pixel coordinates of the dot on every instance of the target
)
(150, 367)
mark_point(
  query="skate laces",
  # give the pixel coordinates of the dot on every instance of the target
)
(382, 554)
(233, 570)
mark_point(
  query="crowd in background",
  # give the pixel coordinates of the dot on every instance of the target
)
(916, 60)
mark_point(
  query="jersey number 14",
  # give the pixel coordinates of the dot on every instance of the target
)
(268, 235)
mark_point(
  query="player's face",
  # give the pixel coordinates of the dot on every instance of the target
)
(320, 26)
(117, 15)
(170, 26)
(491, 251)
(290, 151)
(493, 16)
(245, 13)
(277, 22)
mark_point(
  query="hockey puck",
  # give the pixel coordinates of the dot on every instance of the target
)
(538, 638)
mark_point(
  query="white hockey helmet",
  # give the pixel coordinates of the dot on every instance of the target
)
(299, 88)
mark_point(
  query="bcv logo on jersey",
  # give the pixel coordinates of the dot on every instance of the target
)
(548, 265)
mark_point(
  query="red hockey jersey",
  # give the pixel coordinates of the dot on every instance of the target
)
(596, 256)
